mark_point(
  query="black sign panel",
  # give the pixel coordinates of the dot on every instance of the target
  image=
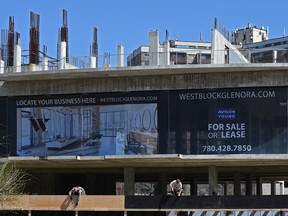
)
(228, 121)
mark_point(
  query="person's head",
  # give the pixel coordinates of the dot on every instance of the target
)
(75, 189)
(177, 180)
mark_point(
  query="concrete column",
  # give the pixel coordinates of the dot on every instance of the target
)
(17, 59)
(1, 66)
(259, 185)
(213, 180)
(275, 55)
(225, 185)
(193, 187)
(52, 181)
(93, 62)
(200, 57)
(248, 185)
(237, 183)
(163, 184)
(273, 187)
(120, 56)
(153, 48)
(32, 67)
(129, 181)
(45, 63)
(91, 181)
(167, 52)
(281, 185)
(62, 55)
(217, 48)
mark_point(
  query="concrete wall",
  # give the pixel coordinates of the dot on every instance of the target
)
(63, 203)
(142, 80)
(221, 47)
(146, 203)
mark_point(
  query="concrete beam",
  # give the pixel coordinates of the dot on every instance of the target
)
(163, 160)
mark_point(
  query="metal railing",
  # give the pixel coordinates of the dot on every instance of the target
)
(236, 56)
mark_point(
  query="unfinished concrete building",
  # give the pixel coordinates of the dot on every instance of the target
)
(125, 133)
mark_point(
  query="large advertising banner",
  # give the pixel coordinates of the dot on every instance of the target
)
(87, 125)
(210, 121)
(228, 121)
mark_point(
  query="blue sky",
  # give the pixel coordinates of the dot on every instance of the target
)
(129, 21)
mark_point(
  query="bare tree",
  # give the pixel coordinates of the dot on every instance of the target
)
(12, 182)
